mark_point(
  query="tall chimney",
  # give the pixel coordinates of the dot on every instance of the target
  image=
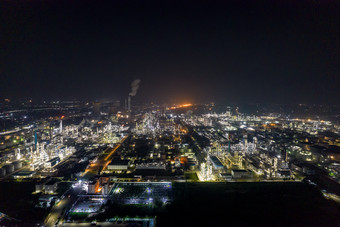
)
(129, 103)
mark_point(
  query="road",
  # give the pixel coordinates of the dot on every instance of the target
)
(332, 196)
(102, 162)
(58, 209)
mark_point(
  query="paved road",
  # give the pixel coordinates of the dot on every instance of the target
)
(102, 162)
(59, 209)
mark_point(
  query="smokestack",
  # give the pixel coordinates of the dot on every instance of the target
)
(129, 103)
(134, 87)
(133, 92)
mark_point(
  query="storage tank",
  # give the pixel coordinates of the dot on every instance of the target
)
(9, 168)
(2, 172)
(17, 165)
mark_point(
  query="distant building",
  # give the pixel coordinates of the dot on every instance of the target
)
(241, 173)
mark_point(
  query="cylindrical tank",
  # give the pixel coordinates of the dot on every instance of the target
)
(2, 172)
(17, 165)
(9, 168)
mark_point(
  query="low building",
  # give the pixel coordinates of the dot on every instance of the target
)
(216, 162)
(118, 164)
(284, 172)
(51, 187)
(226, 176)
(106, 189)
(23, 174)
(45, 199)
(93, 187)
(53, 162)
(241, 173)
(39, 187)
(151, 166)
(305, 168)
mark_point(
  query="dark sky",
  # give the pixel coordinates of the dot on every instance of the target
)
(223, 51)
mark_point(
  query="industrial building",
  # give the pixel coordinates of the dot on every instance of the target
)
(241, 173)
(118, 165)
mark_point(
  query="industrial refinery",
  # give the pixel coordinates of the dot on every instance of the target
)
(85, 158)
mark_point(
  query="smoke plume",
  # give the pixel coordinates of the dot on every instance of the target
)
(134, 87)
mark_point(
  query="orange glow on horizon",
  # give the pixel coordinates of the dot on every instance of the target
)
(181, 106)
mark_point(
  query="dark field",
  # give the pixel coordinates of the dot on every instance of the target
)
(249, 204)
(17, 201)
(205, 204)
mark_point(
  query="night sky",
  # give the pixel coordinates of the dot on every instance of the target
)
(222, 51)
